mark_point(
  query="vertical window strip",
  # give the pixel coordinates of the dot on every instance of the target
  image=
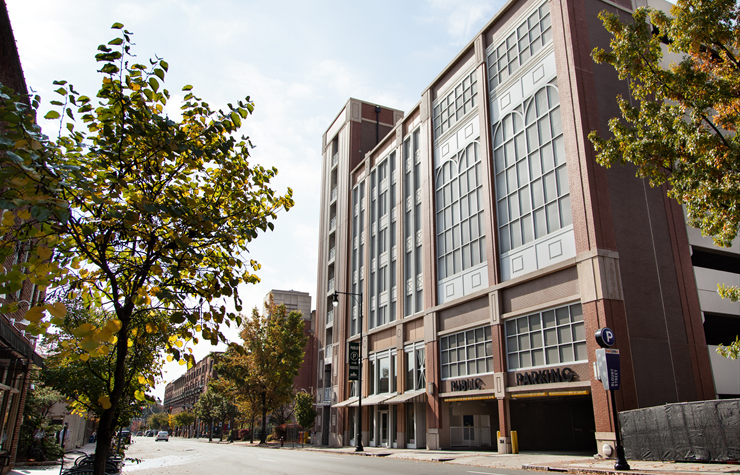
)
(411, 290)
(381, 369)
(418, 287)
(460, 219)
(453, 107)
(530, 36)
(355, 256)
(382, 230)
(532, 193)
(357, 249)
(392, 218)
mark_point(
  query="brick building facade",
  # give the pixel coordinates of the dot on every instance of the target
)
(489, 246)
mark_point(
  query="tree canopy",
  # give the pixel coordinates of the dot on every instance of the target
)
(305, 413)
(679, 126)
(133, 212)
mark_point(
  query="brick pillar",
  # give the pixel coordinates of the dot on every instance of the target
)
(432, 376)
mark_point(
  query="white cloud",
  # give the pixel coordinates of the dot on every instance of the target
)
(461, 18)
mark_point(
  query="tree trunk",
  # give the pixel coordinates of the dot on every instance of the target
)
(108, 417)
(210, 431)
(263, 435)
(251, 430)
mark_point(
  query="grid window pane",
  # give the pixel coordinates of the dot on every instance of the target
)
(546, 338)
(449, 110)
(473, 353)
(528, 37)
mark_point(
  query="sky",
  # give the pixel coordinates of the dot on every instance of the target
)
(299, 61)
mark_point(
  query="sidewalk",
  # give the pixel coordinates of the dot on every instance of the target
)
(69, 458)
(577, 464)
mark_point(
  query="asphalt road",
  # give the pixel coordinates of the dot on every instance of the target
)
(198, 457)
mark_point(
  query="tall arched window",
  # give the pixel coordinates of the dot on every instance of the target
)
(461, 241)
(532, 194)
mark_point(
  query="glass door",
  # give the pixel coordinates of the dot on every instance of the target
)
(383, 428)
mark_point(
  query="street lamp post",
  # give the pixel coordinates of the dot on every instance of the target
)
(335, 303)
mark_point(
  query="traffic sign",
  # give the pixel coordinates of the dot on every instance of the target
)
(354, 360)
(607, 361)
(605, 337)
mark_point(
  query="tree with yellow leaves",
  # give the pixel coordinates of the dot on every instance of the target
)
(144, 216)
(87, 381)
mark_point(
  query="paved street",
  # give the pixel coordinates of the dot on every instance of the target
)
(198, 457)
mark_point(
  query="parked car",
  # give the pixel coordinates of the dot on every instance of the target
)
(162, 435)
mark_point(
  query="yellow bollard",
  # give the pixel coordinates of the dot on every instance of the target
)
(514, 442)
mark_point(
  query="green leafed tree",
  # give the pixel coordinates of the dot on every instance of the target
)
(183, 419)
(212, 407)
(679, 126)
(144, 213)
(87, 381)
(268, 359)
(274, 342)
(305, 412)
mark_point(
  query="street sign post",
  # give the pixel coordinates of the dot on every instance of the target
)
(607, 363)
(354, 360)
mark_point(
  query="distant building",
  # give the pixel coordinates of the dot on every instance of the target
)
(301, 301)
(79, 429)
(181, 394)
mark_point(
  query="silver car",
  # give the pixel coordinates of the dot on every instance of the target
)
(163, 435)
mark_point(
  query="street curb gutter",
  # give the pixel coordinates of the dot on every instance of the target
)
(588, 471)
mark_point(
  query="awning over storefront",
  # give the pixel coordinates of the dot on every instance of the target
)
(410, 396)
(11, 340)
(346, 403)
(372, 400)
